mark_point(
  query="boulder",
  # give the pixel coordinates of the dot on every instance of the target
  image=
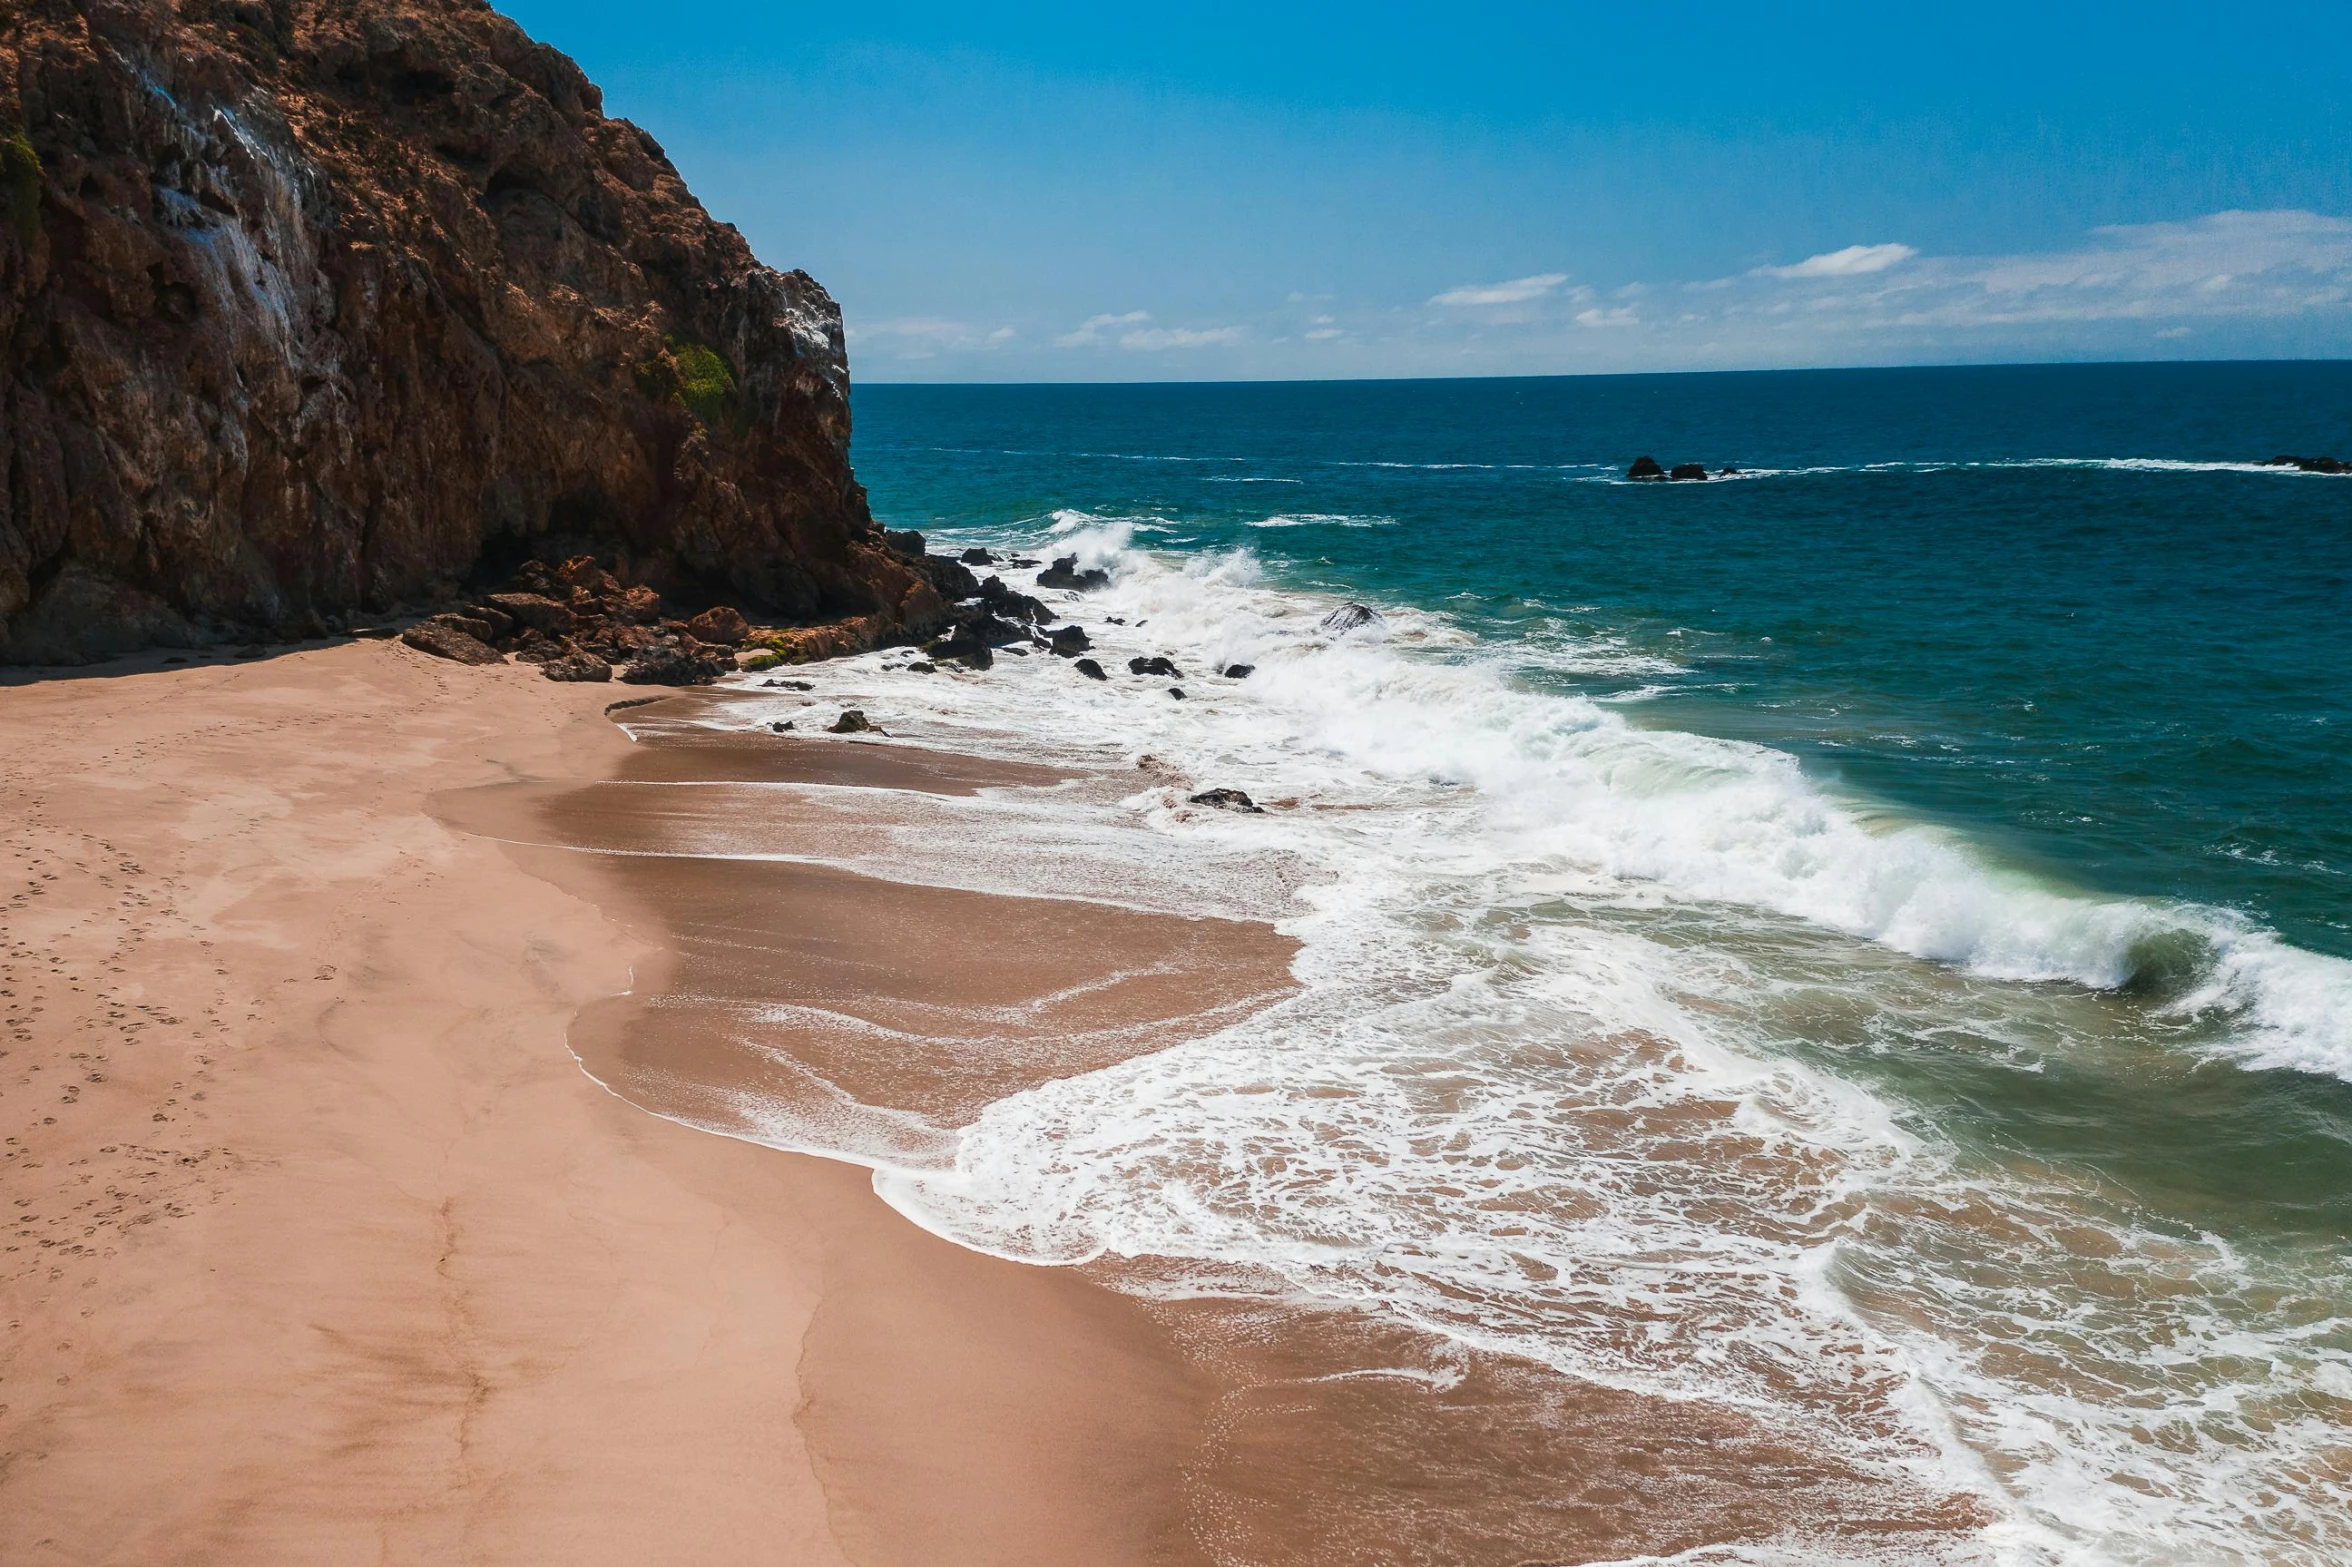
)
(721, 625)
(1349, 616)
(480, 627)
(578, 665)
(584, 571)
(905, 540)
(633, 606)
(1017, 606)
(1177, 692)
(668, 664)
(535, 610)
(1239, 671)
(444, 640)
(1155, 665)
(1090, 669)
(1687, 470)
(1645, 468)
(1227, 800)
(1070, 641)
(978, 557)
(1064, 573)
(851, 722)
(1725, 471)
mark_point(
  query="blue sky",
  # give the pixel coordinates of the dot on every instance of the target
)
(1219, 191)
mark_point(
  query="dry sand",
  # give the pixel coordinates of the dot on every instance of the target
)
(321, 1247)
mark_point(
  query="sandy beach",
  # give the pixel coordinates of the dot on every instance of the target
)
(321, 1246)
(370, 1019)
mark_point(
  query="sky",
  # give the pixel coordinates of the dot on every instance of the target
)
(1291, 191)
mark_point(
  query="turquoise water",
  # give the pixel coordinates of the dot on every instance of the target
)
(2037, 603)
(1950, 817)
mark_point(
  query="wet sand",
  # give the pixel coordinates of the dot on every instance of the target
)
(793, 997)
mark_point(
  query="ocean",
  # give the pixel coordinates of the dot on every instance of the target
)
(1869, 933)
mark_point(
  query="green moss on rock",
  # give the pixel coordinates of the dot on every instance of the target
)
(20, 185)
(693, 376)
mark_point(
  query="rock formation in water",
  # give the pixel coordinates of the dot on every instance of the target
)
(311, 309)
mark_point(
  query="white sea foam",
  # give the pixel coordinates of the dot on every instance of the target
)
(1533, 1090)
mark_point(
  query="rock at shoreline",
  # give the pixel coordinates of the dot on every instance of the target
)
(444, 640)
(1645, 468)
(669, 664)
(721, 625)
(2311, 464)
(1090, 669)
(1239, 671)
(905, 540)
(306, 309)
(1177, 692)
(1064, 573)
(1070, 641)
(851, 722)
(1004, 601)
(1227, 800)
(978, 557)
(1349, 616)
(1155, 665)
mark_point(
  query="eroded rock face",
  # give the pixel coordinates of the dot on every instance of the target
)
(310, 304)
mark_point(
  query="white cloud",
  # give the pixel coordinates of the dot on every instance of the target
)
(1091, 329)
(1853, 261)
(1157, 338)
(1518, 291)
(1623, 315)
(1324, 334)
(920, 337)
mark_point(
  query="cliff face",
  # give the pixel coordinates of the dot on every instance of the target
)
(310, 305)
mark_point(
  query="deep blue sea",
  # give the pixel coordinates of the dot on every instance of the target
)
(1933, 842)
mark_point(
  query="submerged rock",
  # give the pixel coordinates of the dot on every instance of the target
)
(1177, 692)
(2311, 464)
(1155, 665)
(1349, 616)
(1645, 468)
(1238, 671)
(1687, 470)
(1090, 669)
(1227, 800)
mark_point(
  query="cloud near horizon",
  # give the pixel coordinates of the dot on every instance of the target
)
(1516, 292)
(2277, 281)
(1852, 261)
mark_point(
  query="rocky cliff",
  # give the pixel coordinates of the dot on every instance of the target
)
(311, 308)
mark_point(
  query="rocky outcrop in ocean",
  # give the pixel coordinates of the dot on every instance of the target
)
(311, 311)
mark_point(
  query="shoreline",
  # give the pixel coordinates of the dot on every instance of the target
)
(437, 1283)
